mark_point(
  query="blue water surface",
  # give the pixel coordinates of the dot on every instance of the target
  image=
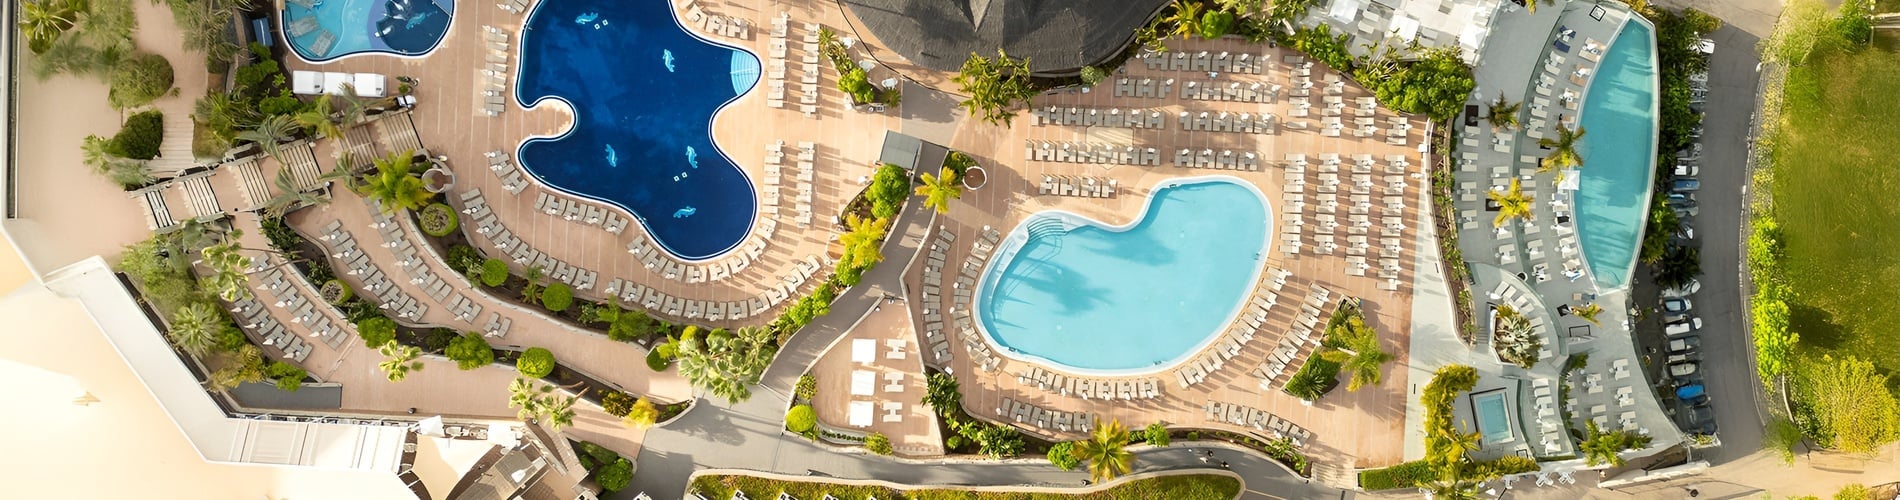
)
(405, 27)
(643, 92)
(1494, 419)
(1618, 149)
(1108, 300)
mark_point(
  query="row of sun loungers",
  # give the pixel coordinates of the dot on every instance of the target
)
(1246, 416)
(395, 235)
(257, 318)
(558, 206)
(1086, 152)
(511, 177)
(382, 287)
(1225, 160)
(1301, 338)
(1146, 87)
(494, 79)
(1086, 187)
(933, 299)
(806, 173)
(486, 224)
(1025, 413)
(1090, 117)
(513, 6)
(728, 26)
(1263, 93)
(964, 286)
(1229, 122)
(1238, 334)
(1089, 388)
(775, 67)
(1203, 62)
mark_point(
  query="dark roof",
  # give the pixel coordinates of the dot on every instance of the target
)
(1056, 35)
(910, 152)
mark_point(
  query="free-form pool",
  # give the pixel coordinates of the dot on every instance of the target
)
(1494, 418)
(1066, 290)
(1619, 116)
(321, 30)
(643, 92)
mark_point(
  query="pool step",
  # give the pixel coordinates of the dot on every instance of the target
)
(1047, 228)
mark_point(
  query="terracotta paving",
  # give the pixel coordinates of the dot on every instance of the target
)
(916, 433)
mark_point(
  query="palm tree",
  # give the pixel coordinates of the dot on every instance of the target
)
(1186, 18)
(1600, 448)
(559, 410)
(271, 134)
(44, 21)
(1563, 150)
(726, 364)
(318, 118)
(940, 189)
(1503, 114)
(1512, 204)
(1362, 356)
(392, 186)
(1106, 452)
(531, 292)
(195, 328)
(1451, 487)
(399, 360)
(289, 197)
(861, 241)
(229, 267)
(1588, 312)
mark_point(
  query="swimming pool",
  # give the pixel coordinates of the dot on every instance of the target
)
(1493, 415)
(1066, 290)
(1619, 115)
(643, 92)
(321, 30)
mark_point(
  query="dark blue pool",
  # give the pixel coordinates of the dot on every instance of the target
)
(644, 92)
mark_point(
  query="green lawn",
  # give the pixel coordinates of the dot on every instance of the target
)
(1837, 197)
(1187, 487)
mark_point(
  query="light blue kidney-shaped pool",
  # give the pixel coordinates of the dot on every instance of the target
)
(1066, 290)
(1619, 118)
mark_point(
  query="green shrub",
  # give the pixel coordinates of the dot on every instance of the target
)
(1314, 379)
(289, 377)
(1156, 434)
(439, 339)
(139, 79)
(438, 219)
(335, 292)
(557, 297)
(470, 351)
(280, 105)
(494, 272)
(536, 362)
(1216, 24)
(376, 331)
(807, 387)
(616, 476)
(657, 362)
(600, 454)
(617, 403)
(140, 137)
(1062, 455)
(1405, 475)
(801, 418)
(877, 444)
(890, 186)
(463, 257)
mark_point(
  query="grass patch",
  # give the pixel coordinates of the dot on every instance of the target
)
(1403, 475)
(1188, 487)
(1833, 197)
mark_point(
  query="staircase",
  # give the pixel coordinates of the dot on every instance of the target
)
(1336, 475)
(174, 156)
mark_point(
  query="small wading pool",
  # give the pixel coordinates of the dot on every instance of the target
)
(1493, 415)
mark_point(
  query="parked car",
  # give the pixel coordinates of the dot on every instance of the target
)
(1679, 199)
(1685, 344)
(1698, 400)
(1700, 419)
(1687, 168)
(1683, 327)
(1686, 212)
(1686, 289)
(1682, 369)
(1687, 233)
(1685, 185)
(1677, 304)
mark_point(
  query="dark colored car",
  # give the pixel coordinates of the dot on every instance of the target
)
(1685, 185)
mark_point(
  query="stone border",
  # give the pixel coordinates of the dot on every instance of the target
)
(1079, 490)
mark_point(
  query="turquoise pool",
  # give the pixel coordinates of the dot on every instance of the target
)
(321, 30)
(1619, 116)
(1494, 417)
(1066, 290)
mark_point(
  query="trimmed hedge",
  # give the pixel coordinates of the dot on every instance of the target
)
(494, 272)
(557, 297)
(376, 331)
(536, 362)
(438, 219)
(1405, 475)
(470, 351)
(801, 419)
(140, 137)
(139, 79)
(657, 362)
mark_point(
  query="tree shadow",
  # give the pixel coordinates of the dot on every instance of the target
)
(1817, 327)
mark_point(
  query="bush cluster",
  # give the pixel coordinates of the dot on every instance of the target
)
(470, 351)
(536, 362)
(801, 419)
(140, 137)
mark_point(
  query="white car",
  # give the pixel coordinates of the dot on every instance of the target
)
(1683, 327)
(1686, 289)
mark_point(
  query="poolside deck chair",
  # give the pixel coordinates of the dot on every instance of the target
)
(302, 26)
(324, 42)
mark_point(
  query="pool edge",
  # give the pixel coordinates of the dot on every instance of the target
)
(282, 11)
(1649, 192)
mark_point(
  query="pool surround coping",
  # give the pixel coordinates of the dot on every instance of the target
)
(283, 12)
(1018, 236)
(1649, 191)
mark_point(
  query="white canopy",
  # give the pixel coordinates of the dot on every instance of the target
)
(333, 82)
(863, 350)
(431, 426)
(306, 82)
(1345, 10)
(1404, 27)
(861, 412)
(370, 84)
(863, 382)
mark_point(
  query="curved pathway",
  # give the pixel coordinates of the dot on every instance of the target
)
(749, 435)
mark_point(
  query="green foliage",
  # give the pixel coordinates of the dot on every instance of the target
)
(1355, 346)
(1775, 337)
(536, 362)
(614, 477)
(1156, 434)
(392, 186)
(557, 297)
(1405, 475)
(1679, 265)
(1855, 491)
(494, 272)
(1216, 23)
(890, 186)
(139, 79)
(1106, 452)
(1320, 43)
(1178, 487)
(289, 377)
(807, 387)
(140, 137)
(878, 444)
(996, 441)
(617, 403)
(807, 308)
(855, 84)
(1442, 439)
(399, 360)
(470, 351)
(941, 393)
(994, 86)
(1091, 75)
(800, 418)
(1314, 379)
(1663, 224)
(861, 248)
(1782, 436)
(1600, 447)
(939, 189)
(1845, 404)
(642, 415)
(1514, 339)
(1062, 455)
(1436, 85)
(656, 362)
(376, 331)
(280, 105)
(438, 220)
(726, 364)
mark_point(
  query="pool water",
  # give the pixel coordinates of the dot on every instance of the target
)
(1494, 418)
(344, 27)
(643, 92)
(1619, 116)
(1066, 290)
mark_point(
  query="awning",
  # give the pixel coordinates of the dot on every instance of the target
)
(861, 412)
(863, 382)
(863, 350)
(333, 82)
(370, 84)
(306, 82)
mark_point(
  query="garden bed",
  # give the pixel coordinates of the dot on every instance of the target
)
(1280, 450)
(1176, 487)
